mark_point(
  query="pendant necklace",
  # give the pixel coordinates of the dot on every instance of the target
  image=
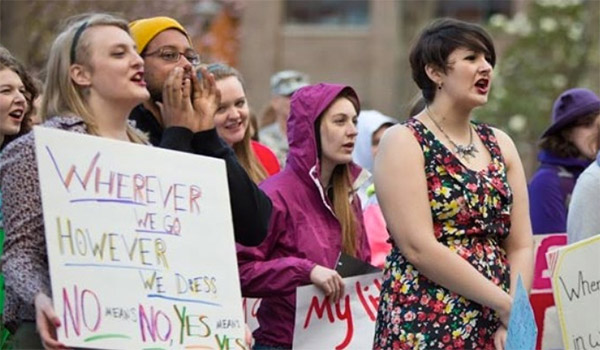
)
(462, 151)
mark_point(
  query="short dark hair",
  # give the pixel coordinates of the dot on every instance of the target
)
(558, 143)
(437, 41)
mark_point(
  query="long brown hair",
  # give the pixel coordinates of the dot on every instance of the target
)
(8, 61)
(243, 149)
(341, 185)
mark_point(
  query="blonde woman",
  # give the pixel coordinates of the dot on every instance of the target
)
(95, 78)
(232, 121)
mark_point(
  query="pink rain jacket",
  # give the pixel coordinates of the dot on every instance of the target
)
(303, 230)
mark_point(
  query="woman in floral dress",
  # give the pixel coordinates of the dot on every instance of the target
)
(455, 201)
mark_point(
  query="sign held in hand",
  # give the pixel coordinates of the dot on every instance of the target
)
(140, 245)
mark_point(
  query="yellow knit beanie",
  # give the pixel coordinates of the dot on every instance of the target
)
(145, 29)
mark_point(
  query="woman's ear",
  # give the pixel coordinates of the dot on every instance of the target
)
(80, 75)
(434, 73)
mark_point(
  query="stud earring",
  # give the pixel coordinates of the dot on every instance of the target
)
(440, 86)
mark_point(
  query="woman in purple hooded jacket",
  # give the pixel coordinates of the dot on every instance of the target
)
(316, 214)
(567, 147)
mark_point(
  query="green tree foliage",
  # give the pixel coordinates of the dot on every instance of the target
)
(551, 47)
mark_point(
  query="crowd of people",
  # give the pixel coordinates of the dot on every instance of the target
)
(313, 177)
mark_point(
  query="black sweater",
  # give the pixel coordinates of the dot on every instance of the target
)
(250, 207)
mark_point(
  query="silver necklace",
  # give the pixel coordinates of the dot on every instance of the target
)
(462, 151)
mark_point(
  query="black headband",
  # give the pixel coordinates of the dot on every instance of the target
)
(76, 39)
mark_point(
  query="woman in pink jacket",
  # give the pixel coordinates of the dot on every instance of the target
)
(316, 215)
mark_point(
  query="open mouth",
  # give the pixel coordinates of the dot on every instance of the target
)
(17, 114)
(138, 78)
(233, 124)
(482, 85)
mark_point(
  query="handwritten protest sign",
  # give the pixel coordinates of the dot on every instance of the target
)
(576, 287)
(542, 274)
(140, 245)
(349, 324)
(522, 332)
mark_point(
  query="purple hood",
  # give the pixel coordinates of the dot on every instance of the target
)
(307, 104)
(303, 230)
(577, 164)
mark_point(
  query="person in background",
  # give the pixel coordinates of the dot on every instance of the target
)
(580, 197)
(274, 117)
(17, 93)
(567, 147)
(36, 118)
(316, 215)
(187, 124)
(454, 196)
(95, 78)
(232, 121)
(583, 220)
(371, 126)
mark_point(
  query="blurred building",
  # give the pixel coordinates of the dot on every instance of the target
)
(363, 43)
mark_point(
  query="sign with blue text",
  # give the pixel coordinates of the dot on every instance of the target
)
(140, 245)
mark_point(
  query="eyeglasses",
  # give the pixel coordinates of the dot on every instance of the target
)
(171, 54)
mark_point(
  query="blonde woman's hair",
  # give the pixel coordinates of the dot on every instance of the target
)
(62, 96)
(243, 149)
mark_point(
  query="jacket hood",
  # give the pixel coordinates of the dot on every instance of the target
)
(368, 122)
(546, 157)
(307, 104)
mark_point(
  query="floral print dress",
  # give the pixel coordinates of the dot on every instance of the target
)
(471, 216)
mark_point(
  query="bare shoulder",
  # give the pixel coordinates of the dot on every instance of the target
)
(400, 138)
(507, 146)
(399, 150)
(501, 135)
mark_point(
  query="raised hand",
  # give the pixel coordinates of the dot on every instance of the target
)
(206, 98)
(329, 281)
(176, 108)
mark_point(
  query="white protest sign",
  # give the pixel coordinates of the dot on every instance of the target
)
(576, 287)
(348, 324)
(250, 307)
(140, 245)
